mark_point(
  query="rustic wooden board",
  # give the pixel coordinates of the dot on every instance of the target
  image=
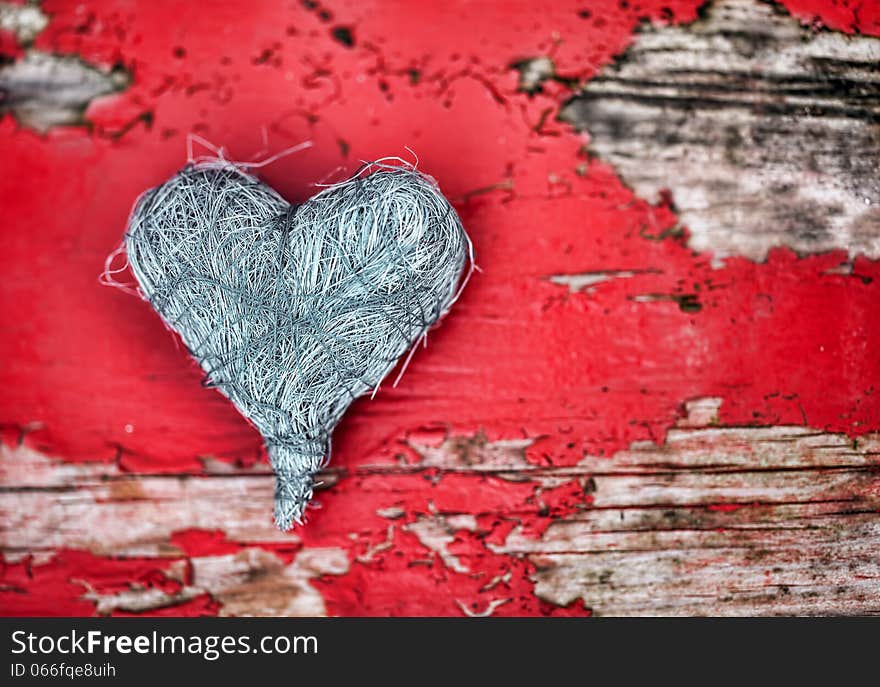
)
(716, 521)
(659, 396)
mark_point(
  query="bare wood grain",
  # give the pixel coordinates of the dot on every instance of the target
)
(766, 132)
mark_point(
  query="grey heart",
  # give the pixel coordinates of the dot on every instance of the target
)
(295, 311)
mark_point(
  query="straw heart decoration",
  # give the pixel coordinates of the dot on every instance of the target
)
(295, 311)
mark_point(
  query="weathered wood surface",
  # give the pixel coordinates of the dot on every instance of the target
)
(617, 421)
(766, 132)
(44, 90)
(715, 521)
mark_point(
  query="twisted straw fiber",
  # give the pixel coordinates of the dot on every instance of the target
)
(295, 311)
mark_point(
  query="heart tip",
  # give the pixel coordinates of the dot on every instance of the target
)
(286, 519)
(293, 491)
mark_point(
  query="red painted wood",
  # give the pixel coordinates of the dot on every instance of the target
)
(91, 374)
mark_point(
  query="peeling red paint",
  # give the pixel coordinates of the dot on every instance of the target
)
(57, 587)
(9, 46)
(849, 16)
(91, 374)
(195, 542)
(726, 507)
